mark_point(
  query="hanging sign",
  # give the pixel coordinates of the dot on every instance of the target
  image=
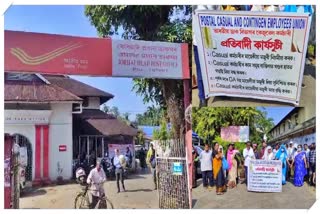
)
(252, 54)
(60, 54)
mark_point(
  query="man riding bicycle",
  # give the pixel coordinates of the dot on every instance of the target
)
(96, 179)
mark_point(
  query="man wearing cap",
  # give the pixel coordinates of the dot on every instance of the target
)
(96, 178)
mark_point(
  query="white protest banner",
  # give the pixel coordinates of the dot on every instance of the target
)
(265, 176)
(252, 54)
(122, 149)
(147, 59)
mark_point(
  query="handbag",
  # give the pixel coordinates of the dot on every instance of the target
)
(225, 164)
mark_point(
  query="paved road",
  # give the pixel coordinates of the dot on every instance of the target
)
(291, 197)
(139, 195)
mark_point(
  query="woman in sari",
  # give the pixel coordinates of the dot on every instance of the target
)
(283, 157)
(300, 167)
(218, 174)
(233, 166)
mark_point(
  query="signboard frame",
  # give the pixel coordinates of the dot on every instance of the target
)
(263, 166)
(225, 92)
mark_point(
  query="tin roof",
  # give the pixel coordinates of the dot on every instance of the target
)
(36, 92)
(78, 88)
(96, 122)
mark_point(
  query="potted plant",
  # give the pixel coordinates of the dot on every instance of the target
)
(59, 178)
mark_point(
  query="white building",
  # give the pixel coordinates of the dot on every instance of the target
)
(41, 110)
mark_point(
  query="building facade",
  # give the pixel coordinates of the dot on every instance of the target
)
(42, 113)
(297, 127)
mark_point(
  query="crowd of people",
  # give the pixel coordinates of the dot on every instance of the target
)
(221, 169)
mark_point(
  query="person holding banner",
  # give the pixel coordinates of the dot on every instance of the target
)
(283, 157)
(248, 155)
(300, 167)
(233, 166)
(218, 174)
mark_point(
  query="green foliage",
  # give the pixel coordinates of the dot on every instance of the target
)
(152, 117)
(162, 133)
(207, 122)
(140, 138)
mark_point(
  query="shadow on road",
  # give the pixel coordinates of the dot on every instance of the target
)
(140, 190)
(32, 193)
(194, 201)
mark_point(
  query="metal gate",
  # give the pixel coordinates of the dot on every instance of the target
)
(172, 175)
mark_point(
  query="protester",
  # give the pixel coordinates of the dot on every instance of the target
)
(255, 151)
(283, 157)
(206, 167)
(268, 154)
(312, 163)
(300, 167)
(233, 166)
(276, 149)
(118, 170)
(307, 151)
(221, 151)
(96, 178)
(248, 155)
(290, 159)
(195, 158)
(151, 159)
(218, 174)
(264, 146)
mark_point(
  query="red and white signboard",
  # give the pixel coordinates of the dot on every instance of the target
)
(62, 148)
(59, 54)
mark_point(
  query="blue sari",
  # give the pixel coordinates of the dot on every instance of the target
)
(282, 156)
(299, 170)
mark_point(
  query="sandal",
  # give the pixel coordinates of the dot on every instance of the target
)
(219, 193)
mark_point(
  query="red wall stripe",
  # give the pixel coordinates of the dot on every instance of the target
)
(45, 151)
(38, 153)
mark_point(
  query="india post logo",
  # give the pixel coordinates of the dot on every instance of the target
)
(25, 58)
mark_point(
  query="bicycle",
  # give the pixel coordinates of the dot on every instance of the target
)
(82, 200)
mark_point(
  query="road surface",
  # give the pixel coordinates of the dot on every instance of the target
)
(139, 194)
(291, 197)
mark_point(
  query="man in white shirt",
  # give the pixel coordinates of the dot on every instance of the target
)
(248, 155)
(96, 178)
(206, 167)
(118, 170)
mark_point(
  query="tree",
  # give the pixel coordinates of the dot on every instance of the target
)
(153, 23)
(207, 122)
(111, 110)
(152, 117)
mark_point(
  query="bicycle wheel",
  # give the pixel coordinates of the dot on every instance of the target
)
(81, 202)
(105, 203)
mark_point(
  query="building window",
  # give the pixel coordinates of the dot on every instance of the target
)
(284, 127)
(289, 124)
(21, 77)
(296, 119)
(85, 102)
